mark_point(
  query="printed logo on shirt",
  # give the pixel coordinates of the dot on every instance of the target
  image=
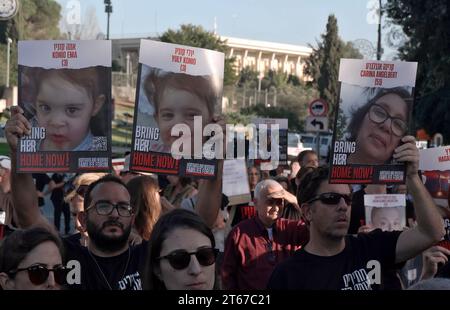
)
(131, 282)
(362, 279)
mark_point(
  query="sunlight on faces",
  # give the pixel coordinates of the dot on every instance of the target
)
(376, 142)
(193, 277)
(64, 109)
(179, 107)
(45, 254)
(331, 221)
(110, 230)
(387, 219)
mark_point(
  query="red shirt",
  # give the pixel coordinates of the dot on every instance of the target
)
(250, 256)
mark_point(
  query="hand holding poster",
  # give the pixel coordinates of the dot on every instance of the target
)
(374, 110)
(386, 212)
(179, 90)
(64, 89)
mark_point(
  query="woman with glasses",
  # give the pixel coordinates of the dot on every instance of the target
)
(32, 260)
(182, 254)
(378, 126)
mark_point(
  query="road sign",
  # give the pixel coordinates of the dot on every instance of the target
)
(317, 123)
(318, 107)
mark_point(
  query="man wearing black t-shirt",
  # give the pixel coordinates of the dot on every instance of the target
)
(336, 261)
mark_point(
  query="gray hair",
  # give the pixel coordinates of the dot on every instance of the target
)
(431, 284)
(263, 185)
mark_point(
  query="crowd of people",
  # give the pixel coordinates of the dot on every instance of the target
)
(138, 231)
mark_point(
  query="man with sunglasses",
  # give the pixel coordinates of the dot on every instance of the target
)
(255, 246)
(336, 261)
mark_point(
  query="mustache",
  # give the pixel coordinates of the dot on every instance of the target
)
(111, 223)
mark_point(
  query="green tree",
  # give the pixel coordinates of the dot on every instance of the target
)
(248, 77)
(427, 27)
(323, 64)
(36, 19)
(196, 36)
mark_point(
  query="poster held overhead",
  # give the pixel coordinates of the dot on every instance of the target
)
(372, 115)
(65, 92)
(386, 212)
(178, 95)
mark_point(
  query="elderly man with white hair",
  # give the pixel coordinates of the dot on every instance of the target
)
(255, 246)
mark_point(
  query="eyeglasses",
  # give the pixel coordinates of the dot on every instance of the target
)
(180, 259)
(379, 115)
(103, 207)
(38, 274)
(332, 198)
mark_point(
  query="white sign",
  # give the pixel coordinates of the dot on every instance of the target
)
(317, 123)
(235, 181)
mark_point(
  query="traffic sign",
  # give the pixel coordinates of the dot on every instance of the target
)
(318, 107)
(317, 123)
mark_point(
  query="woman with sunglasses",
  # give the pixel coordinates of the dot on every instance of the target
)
(182, 254)
(32, 260)
(378, 126)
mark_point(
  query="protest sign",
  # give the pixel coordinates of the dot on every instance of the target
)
(65, 92)
(371, 117)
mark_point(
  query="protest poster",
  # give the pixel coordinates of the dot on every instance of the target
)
(386, 211)
(270, 149)
(235, 181)
(372, 115)
(179, 91)
(434, 165)
(65, 92)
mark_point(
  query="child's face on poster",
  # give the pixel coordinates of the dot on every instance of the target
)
(387, 219)
(378, 138)
(64, 110)
(179, 107)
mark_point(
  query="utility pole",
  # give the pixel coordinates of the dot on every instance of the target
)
(108, 11)
(380, 15)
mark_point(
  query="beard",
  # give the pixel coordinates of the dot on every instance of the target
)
(106, 243)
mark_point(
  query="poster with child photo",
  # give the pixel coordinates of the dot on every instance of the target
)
(65, 92)
(372, 116)
(178, 96)
(386, 212)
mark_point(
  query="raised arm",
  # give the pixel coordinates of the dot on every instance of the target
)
(24, 195)
(210, 197)
(430, 227)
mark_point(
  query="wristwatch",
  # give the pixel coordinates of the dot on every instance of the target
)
(8, 8)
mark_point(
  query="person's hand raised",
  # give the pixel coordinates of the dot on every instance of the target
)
(16, 127)
(408, 153)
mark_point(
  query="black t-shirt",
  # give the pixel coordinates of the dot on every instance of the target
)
(105, 273)
(41, 179)
(349, 270)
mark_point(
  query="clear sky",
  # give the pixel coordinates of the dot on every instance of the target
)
(296, 22)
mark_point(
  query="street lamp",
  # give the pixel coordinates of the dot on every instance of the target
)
(8, 49)
(108, 10)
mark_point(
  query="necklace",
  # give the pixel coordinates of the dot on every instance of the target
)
(101, 271)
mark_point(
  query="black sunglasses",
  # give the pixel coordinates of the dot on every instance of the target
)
(180, 259)
(332, 198)
(38, 274)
